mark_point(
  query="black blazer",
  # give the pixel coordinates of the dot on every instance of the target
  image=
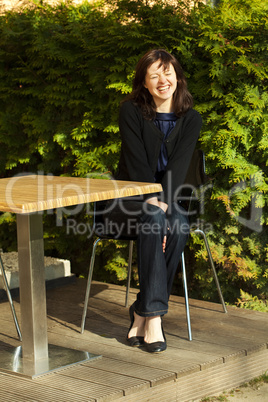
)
(140, 149)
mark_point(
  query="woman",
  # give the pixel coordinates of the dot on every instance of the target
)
(159, 130)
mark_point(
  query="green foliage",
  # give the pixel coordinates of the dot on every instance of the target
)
(252, 302)
(232, 97)
(64, 70)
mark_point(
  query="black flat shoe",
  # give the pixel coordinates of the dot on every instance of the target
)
(134, 341)
(156, 347)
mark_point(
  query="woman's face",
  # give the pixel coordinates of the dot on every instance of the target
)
(161, 83)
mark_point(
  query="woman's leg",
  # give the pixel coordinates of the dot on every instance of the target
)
(177, 237)
(153, 297)
(156, 269)
(148, 223)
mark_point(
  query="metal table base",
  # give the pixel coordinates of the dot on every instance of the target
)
(35, 357)
(59, 358)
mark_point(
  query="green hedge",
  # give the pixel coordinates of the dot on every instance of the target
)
(64, 71)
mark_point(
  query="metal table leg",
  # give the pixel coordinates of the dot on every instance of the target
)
(32, 286)
(36, 357)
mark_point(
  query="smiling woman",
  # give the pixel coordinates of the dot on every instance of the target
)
(161, 82)
(156, 72)
(159, 130)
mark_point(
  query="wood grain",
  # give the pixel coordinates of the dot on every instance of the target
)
(33, 193)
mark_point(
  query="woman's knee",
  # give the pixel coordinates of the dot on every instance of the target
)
(178, 221)
(153, 220)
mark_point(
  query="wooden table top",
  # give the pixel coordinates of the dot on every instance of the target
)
(33, 193)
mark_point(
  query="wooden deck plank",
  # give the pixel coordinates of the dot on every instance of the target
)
(166, 392)
(226, 349)
(154, 375)
(126, 383)
(201, 384)
(10, 397)
(226, 376)
(169, 360)
(34, 391)
(80, 386)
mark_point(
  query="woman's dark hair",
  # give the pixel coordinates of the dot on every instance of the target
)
(182, 99)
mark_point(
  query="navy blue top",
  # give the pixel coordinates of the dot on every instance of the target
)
(165, 122)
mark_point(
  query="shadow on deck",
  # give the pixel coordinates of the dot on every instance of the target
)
(227, 350)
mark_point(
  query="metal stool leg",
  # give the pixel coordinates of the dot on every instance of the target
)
(186, 296)
(199, 231)
(10, 298)
(90, 272)
(130, 253)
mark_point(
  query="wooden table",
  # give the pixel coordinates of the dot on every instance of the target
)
(28, 196)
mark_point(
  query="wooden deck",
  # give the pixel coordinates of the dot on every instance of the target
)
(227, 350)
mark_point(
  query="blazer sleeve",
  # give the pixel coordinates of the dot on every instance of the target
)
(133, 152)
(181, 156)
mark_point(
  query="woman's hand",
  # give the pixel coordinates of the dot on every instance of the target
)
(160, 204)
(163, 206)
(164, 243)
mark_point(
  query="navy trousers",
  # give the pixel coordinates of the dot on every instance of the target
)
(149, 224)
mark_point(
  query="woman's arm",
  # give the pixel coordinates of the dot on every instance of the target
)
(180, 155)
(134, 164)
(133, 150)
